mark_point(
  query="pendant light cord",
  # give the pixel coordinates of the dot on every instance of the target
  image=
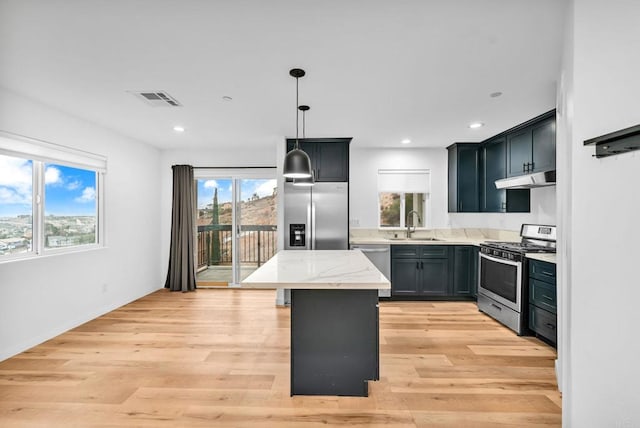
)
(297, 145)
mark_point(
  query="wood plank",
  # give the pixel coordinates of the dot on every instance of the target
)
(220, 357)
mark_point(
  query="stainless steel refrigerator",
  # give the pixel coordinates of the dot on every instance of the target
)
(316, 217)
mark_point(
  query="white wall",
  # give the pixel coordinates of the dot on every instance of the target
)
(41, 298)
(603, 350)
(363, 179)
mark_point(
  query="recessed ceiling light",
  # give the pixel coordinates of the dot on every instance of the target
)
(227, 98)
(406, 141)
(475, 125)
(495, 94)
(178, 128)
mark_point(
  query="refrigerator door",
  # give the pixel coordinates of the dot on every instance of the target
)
(297, 213)
(330, 216)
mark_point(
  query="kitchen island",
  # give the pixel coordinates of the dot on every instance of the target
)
(334, 318)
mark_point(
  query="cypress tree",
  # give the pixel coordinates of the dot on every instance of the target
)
(215, 242)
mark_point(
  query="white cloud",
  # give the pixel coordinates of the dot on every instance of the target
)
(210, 184)
(88, 195)
(74, 185)
(15, 180)
(52, 175)
(266, 188)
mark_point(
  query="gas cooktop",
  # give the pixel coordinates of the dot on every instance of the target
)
(520, 247)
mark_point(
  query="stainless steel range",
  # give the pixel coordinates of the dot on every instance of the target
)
(503, 288)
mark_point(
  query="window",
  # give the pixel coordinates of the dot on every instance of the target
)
(47, 204)
(402, 198)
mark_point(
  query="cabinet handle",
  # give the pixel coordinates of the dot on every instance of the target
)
(532, 165)
(421, 265)
(524, 167)
(547, 297)
(551, 326)
(417, 265)
(504, 206)
(544, 272)
(496, 306)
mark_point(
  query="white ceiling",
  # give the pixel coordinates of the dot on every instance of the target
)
(378, 71)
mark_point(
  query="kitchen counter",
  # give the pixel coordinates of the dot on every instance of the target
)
(325, 269)
(464, 236)
(545, 257)
(417, 241)
(335, 347)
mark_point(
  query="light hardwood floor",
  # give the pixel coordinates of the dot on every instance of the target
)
(220, 358)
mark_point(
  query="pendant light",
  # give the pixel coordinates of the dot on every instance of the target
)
(309, 181)
(297, 163)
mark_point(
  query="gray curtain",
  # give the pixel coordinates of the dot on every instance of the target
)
(182, 274)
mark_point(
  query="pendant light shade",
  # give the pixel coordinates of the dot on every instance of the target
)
(307, 181)
(297, 163)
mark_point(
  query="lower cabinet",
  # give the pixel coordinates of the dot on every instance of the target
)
(433, 271)
(465, 271)
(543, 300)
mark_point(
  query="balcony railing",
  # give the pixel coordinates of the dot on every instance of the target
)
(258, 243)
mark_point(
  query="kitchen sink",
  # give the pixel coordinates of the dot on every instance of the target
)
(416, 238)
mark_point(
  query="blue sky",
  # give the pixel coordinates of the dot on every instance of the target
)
(247, 188)
(68, 191)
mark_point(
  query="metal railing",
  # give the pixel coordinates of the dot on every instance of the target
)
(258, 243)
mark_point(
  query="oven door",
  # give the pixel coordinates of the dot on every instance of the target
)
(501, 280)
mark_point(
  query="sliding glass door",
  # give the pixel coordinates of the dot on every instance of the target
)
(236, 223)
(257, 219)
(215, 232)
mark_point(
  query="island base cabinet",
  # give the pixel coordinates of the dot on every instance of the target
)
(334, 341)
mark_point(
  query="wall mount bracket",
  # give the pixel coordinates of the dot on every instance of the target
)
(618, 142)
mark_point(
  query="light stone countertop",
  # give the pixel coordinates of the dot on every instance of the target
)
(467, 236)
(545, 257)
(320, 269)
(416, 241)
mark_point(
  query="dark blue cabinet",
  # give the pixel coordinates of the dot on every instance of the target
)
(543, 302)
(532, 148)
(329, 157)
(465, 271)
(473, 168)
(494, 167)
(463, 177)
(434, 271)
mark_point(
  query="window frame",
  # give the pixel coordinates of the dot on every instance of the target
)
(41, 153)
(403, 180)
(403, 212)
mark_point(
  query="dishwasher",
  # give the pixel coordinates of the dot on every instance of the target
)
(380, 256)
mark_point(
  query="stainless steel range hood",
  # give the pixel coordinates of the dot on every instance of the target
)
(529, 181)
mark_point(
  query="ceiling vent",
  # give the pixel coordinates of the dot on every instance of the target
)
(156, 98)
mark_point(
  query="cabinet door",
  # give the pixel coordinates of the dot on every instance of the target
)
(332, 161)
(494, 169)
(519, 152)
(544, 145)
(405, 277)
(435, 277)
(468, 179)
(464, 271)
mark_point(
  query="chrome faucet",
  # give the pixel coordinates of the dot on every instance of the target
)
(409, 231)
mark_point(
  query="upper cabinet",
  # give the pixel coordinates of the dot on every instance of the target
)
(463, 177)
(329, 157)
(532, 148)
(475, 167)
(494, 167)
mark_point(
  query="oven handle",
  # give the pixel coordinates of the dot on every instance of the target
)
(503, 261)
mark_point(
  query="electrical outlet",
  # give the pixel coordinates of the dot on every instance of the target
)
(105, 287)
